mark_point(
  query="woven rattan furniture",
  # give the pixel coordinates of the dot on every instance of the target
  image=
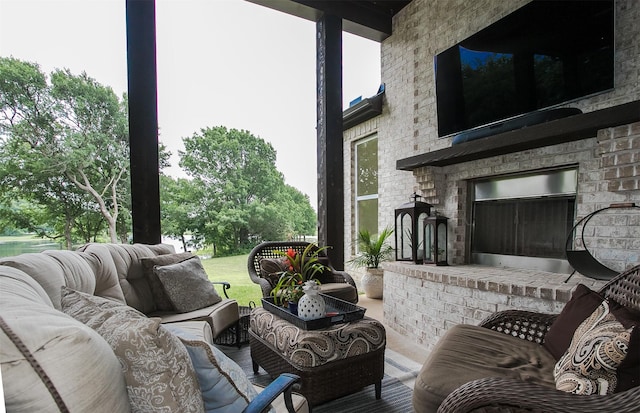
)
(330, 362)
(335, 283)
(508, 394)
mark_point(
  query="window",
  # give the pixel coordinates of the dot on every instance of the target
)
(366, 184)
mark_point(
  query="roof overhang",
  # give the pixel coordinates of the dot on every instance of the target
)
(369, 19)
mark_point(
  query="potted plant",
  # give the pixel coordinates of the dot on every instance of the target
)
(373, 251)
(303, 267)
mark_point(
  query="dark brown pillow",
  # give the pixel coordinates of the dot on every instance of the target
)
(272, 268)
(160, 299)
(582, 304)
(629, 370)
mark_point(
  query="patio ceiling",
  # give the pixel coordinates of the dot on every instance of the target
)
(370, 19)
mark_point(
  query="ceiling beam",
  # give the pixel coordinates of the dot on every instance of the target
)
(369, 19)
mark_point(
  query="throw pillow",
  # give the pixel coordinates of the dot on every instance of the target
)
(582, 303)
(225, 387)
(271, 269)
(158, 372)
(160, 299)
(599, 346)
(187, 285)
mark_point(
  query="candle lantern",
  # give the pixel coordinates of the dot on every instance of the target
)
(435, 239)
(409, 229)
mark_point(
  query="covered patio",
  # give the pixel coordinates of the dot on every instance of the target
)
(370, 19)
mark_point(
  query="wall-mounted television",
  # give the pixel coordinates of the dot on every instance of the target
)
(542, 55)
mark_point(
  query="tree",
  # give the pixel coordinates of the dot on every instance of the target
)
(243, 198)
(64, 145)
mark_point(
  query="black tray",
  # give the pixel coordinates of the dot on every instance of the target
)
(346, 312)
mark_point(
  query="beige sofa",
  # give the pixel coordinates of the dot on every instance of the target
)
(71, 320)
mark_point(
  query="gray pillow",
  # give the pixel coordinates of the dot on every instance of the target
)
(187, 285)
(160, 299)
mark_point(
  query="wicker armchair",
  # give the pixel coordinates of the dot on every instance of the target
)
(335, 283)
(509, 395)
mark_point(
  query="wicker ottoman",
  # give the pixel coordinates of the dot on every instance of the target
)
(331, 362)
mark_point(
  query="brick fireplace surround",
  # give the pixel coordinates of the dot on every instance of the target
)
(423, 301)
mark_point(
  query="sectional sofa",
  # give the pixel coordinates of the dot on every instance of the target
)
(90, 331)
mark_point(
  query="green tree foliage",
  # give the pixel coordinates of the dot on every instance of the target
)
(65, 151)
(237, 195)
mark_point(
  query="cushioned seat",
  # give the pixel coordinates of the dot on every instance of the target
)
(265, 266)
(342, 291)
(468, 352)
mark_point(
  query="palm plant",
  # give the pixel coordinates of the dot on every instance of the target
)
(373, 250)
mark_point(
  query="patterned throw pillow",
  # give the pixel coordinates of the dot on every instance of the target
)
(598, 348)
(160, 299)
(156, 365)
(187, 285)
(225, 387)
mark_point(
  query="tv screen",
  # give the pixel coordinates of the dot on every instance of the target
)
(543, 54)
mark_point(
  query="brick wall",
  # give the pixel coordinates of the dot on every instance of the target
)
(423, 301)
(607, 164)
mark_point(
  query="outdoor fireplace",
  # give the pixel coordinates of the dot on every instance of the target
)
(524, 220)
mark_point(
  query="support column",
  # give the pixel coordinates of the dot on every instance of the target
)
(143, 121)
(329, 130)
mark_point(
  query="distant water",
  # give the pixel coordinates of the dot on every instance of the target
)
(11, 248)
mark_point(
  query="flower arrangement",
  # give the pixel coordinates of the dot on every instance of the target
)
(303, 267)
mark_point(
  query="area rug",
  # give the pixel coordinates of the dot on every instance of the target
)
(397, 385)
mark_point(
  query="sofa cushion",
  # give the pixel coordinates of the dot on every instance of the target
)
(220, 316)
(79, 362)
(162, 302)
(600, 345)
(582, 303)
(225, 387)
(468, 352)
(125, 262)
(54, 269)
(187, 285)
(156, 366)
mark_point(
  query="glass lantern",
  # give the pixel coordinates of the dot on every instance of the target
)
(409, 229)
(435, 240)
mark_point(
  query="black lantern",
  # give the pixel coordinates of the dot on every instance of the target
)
(435, 239)
(409, 229)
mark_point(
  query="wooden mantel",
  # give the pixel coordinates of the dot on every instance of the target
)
(568, 129)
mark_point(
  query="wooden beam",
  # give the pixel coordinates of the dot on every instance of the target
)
(143, 121)
(329, 132)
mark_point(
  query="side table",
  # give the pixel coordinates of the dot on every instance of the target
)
(331, 362)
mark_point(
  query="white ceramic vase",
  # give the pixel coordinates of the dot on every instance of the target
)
(372, 282)
(311, 305)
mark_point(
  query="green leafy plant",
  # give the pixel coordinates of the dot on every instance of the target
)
(303, 267)
(373, 250)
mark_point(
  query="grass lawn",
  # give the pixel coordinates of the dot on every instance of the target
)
(234, 271)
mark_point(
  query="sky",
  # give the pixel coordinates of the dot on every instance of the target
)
(219, 63)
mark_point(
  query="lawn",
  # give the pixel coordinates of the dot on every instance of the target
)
(234, 271)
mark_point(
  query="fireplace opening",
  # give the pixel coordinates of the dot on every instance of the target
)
(524, 221)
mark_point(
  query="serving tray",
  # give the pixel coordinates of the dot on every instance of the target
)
(338, 311)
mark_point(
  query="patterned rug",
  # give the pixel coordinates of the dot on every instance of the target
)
(397, 385)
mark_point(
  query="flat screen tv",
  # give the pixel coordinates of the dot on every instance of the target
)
(542, 55)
